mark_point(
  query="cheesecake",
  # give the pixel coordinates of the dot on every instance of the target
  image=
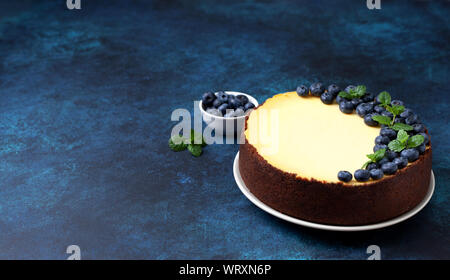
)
(310, 155)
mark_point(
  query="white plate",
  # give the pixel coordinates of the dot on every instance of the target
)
(257, 202)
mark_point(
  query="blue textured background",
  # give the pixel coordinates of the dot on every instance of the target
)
(86, 98)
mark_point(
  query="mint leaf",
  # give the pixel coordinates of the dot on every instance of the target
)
(176, 143)
(415, 141)
(359, 91)
(371, 157)
(356, 92)
(195, 149)
(385, 98)
(396, 145)
(375, 157)
(379, 154)
(402, 136)
(398, 126)
(382, 119)
(397, 109)
(345, 94)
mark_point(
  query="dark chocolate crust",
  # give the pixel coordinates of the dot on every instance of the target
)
(335, 203)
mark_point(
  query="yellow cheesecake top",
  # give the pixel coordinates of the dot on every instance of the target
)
(301, 135)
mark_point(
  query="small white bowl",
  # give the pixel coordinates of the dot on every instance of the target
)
(220, 124)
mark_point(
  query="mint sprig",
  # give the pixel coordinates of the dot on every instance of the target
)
(194, 145)
(403, 141)
(176, 143)
(356, 92)
(385, 99)
(375, 157)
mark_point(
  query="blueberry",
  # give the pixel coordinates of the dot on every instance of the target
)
(412, 119)
(242, 98)
(233, 103)
(333, 89)
(327, 98)
(362, 175)
(346, 107)
(421, 148)
(364, 109)
(222, 96)
(418, 128)
(391, 155)
(410, 154)
(214, 112)
(372, 165)
(379, 147)
(401, 162)
(397, 103)
(368, 97)
(389, 168)
(399, 120)
(384, 140)
(217, 103)
(248, 106)
(222, 108)
(406, 113)
(383, 161)
(390, 133)
(345, 176)
(350, 87)
(208, 99)
(369, 121)
(379, 109)
(376, 174)
(356, 102)
(317, 89)
(387, 114)
(302, 90)
(426, 138)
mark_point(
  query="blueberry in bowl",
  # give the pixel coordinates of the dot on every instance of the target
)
(226, 109)
(208, 98)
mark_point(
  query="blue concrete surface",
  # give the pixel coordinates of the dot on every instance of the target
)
(85, 104)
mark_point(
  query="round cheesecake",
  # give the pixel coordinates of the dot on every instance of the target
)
(294, 148)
